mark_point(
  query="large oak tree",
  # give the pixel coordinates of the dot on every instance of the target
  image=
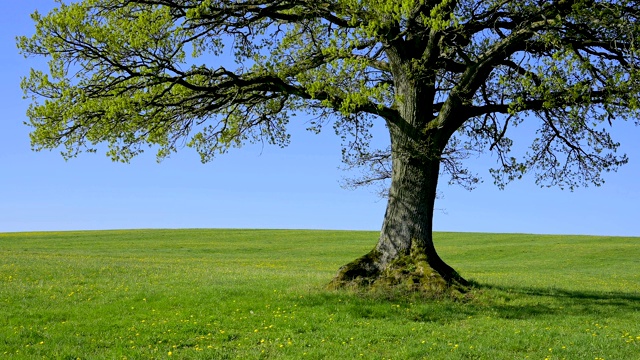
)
(447, 78)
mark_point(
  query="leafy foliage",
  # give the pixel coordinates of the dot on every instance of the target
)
(459, 73)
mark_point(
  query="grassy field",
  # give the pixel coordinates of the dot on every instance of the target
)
(252, 294)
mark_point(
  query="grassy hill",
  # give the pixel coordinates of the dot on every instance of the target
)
(252, 294)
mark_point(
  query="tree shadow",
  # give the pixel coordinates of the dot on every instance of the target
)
(523, 302)
(495, 301)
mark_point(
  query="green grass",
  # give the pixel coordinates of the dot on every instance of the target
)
(251, 294)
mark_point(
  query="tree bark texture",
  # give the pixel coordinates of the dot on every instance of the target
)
(405, 255)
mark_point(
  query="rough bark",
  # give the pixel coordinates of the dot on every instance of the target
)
(405, 256)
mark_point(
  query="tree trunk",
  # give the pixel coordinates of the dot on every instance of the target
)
(405, 256)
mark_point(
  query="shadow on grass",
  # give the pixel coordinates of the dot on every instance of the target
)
(624, 297)
(521, 302)
(506, 302)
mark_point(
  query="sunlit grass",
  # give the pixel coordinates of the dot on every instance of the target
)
(249, 294)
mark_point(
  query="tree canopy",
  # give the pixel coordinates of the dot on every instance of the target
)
(132, 73)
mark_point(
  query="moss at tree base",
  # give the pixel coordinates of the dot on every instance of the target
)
(410, 273)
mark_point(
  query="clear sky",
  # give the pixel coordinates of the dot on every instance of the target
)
(264, 187)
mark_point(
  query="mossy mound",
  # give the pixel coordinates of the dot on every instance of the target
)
(411, 273)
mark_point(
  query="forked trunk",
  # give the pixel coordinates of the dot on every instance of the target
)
(405, 256)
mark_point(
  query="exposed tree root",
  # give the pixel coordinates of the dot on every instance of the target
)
(410, 273)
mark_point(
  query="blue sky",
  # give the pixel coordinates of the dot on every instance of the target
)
(264, 187)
